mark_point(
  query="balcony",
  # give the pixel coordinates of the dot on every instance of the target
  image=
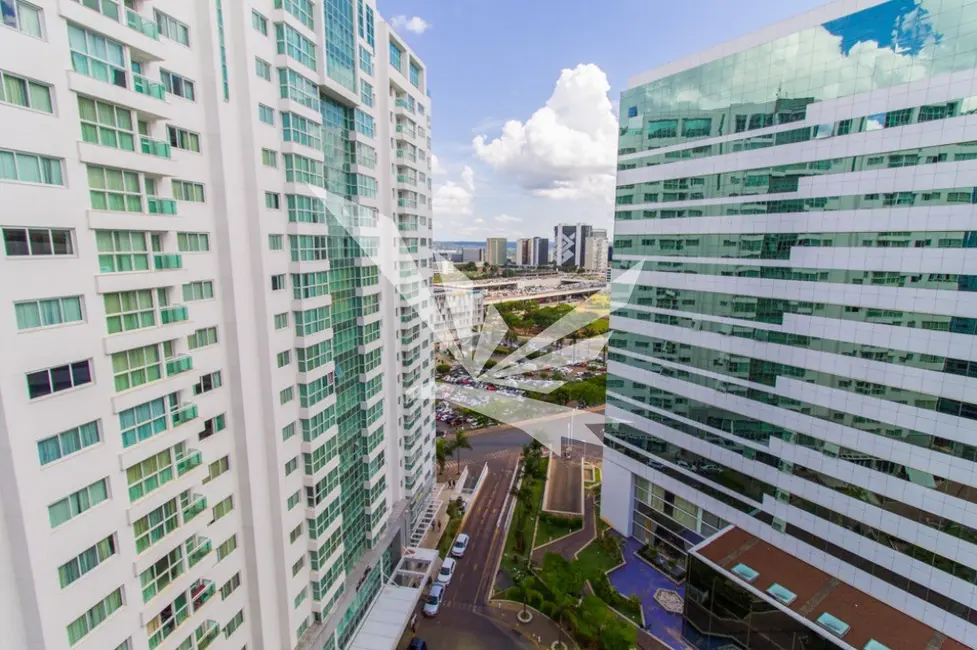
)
(144, 86)
(192, 505)
(179, 365)
(157, 205)
(167, 262)
(174, 314)
(406, 155)
(403, 105)
(153, 147)
(183, 414)
(141, 25)
(407, 203)
(197, 548)
(189, 460)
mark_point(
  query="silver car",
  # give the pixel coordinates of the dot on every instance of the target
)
(433, 602)
(461, 545)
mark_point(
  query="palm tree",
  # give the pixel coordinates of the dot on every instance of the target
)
(441, 454)
(561, 608)
(460, 442)
(524, 591)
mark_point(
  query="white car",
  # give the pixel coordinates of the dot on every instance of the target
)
(447, 570)
(461, 545)
(432, 605)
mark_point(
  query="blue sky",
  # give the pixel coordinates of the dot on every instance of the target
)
(492, 61)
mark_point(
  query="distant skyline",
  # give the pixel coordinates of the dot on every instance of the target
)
(525, 134)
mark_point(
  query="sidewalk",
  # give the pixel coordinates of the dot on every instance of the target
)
(541, 631)
(569, 546)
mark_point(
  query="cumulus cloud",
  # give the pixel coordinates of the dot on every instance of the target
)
(479, 220)
(567, 149)
(453, 198)
(436, 168)
(414, 24)
(505, 218)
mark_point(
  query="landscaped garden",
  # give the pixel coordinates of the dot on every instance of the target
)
(550, 527)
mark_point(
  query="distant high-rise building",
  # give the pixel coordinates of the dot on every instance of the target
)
(596, 251)
(496, 252)
(540, 251)
(571, 244)
(473, 254)
(524, 252)
(798, 356)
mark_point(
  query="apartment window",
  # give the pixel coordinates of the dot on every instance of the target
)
(230, 586)
(208, 383)
(30, 168)
(288, 431)
(365, 124)
(298, 566)
(234, 624)
(25, 93)
(222, 508)
(227, 547)
(202, 338)
(187, 191)
(106, 124)
(36, 242)
(217, 468)
(172, 28)
(275, 242)
(293, 44)
(366, 61)
(183, 139)
(395, 57)
(277, 282)
(273, 201)
(117, 190)
(262, 68)
(192, 242)
(22, 16)
(121, 251)
(68, 442)
(147, 476)
(77, 503)
(129, 310)
(198, 291)
(136, 367)
(296, 87)
(269, 158)
(212, 426)
(291, 466)
(281, 321)
(298, 129)
(366, 93)
(295, 534)
(59, 378)
(35, 314)
(415, 75)
(284, 358)
(179, 86)
(259, 22)
(301, 9)
(266, 114)
(94, 617)
(97, 57)
(299, 169)
(142, 422)
(293, 500)
(85, 561)
(285, 395)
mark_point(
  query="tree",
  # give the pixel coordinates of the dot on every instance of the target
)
(441, 454)
(460, 442)
(524, 590)
(561, 608)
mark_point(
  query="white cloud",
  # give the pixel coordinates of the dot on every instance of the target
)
(414, 24)
(479, 220)
(568, 148)
(454, 198)
(504, 218)
(436, 168)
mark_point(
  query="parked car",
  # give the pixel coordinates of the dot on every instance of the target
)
(433, 603)
(447, 570)
(417, 643)
(684, 464)
(709, 467)
(461, 545)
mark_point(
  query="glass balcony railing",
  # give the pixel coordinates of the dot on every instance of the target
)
(183, 414)
(402, 103)
(193, 506)
(153, 147)
(197, 548)
(161, 206)
(189, 460)
(140, 24)
(407, 203)
(174, 314)
(144, 86)
(206, 634)
(401, 153)
(162, 262)
(179, 365)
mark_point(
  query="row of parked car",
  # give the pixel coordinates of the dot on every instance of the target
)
(433, 603)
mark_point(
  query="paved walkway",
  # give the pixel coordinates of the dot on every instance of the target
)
(639, 578)
(564, 486)
(569, 546)
(541, 631)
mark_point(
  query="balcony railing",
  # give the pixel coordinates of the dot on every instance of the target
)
(197, 548)
(140, 24)
(144, 86)
(190, 459)
(161, 206)
(183, 414)
(193, 506)
(163, 262)
(179, 365)
(155, 147)
(174, 314)
(405, 154)
(407, 203)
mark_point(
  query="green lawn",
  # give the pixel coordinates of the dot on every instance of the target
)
(552, 527)
(594, 558)
(448, 538)
(524, 522)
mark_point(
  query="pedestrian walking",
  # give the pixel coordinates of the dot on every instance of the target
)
(413, 623)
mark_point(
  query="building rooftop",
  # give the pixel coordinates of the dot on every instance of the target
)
(811, 593)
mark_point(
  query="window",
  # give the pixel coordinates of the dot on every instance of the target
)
(136, 367)
(59, 378)
(395, 56)
(298, 129)
(784, 595)
(301, 9)
(281, 321)
(273, 201)
(183, 139)
(208, 382)
(291, 466)
(366, 93)
(34, 242)
(222, 508)
(25, 93)
(198, 291)
(212, 426)
(266, 114)
(193, 242)
(288, 431)
(269, 158)
(366, 61)
(298, 566)
(275, 242)
(262, 68)
(295, 534)
(299, 169)
(180, 86)
(121, 251)
(296, 46)
(217, 468)
(414, 74)
(296, 87)
(68, 442)
(117, 190)
(234, 624)
(365, 124)
(29, 168)
(294, 499)
(285, 395)
(35, 314)
(106, 124)
(142, 422)
(202, 338)
(172, 28)
(259, 22)
(85, 561)
(22, 16)
(187, 191)
(301, 597)
(78, 502)
(230, 586)
(278, 282)
(97, 57)
(284, 358)
(94, 617)
(227, 547)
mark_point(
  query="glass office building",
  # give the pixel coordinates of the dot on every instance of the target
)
(798, 357)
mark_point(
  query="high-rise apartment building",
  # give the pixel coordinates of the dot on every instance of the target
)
(496, 251)
(540, 251)
(524, 252)
(596, 251)
(570, 241)
(798, 356)
(214, 425)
